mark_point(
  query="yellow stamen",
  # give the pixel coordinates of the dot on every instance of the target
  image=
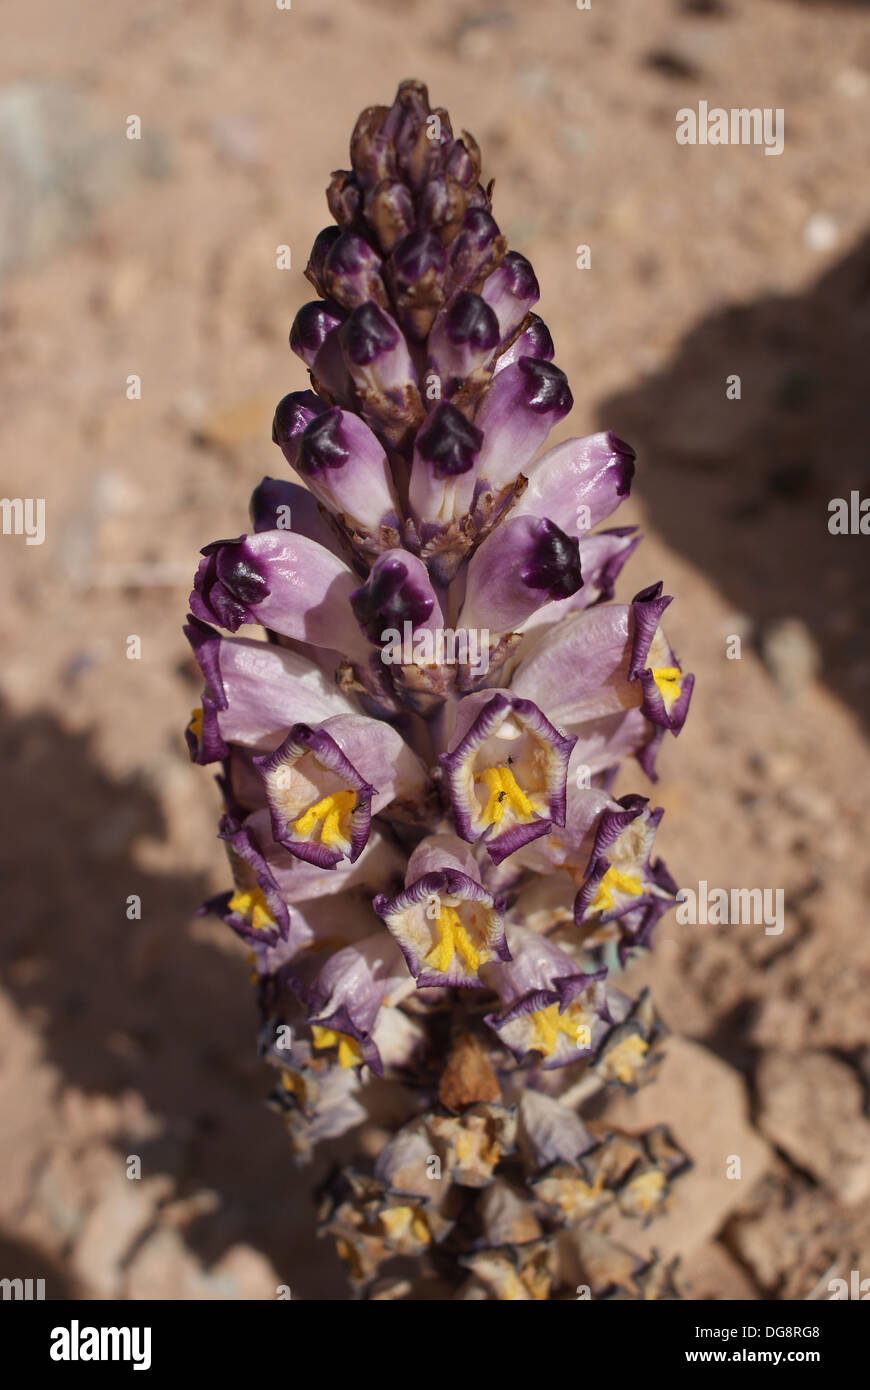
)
(251, 904)
(195, 725)
(644, 1192)
(400, 1222)
(667, 678)
(624, 1058)
(503, 787)
(513, 1290)
(330, 811)
(548, 1023)
(452, 938)
(293, 1082)
(349, 1050)
(614, 881)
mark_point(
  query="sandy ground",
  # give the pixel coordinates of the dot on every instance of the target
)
(157, 258)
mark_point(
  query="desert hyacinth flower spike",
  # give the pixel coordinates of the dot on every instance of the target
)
(436, 884)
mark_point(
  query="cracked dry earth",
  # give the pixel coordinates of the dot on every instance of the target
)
(157, 258)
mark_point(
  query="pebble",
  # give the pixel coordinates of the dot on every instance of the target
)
(821, 232)
(790, 654)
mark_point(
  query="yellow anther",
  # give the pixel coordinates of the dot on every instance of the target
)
(644, 1192)
(293, 1082)
(548, 1023)
(503, 787)
(330, 811)
(615, 881)
(622, 1060)
(513, 1290)
(349, 1050)
(195, 725)
(251, 904)
(667, 678)
(452, 938)
(399, 1222)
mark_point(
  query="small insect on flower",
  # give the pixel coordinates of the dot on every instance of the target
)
(432, 877)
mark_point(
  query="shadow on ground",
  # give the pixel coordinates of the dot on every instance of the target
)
(20, 1261)
(141, 1005)
(742, 486)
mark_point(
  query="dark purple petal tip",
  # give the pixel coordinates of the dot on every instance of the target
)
(292, 413)
(520, 276)
(312, 326)
(416, 254)
(368, 333)
(554, 564)
(449, 441)
(547, 389)
(469, 319)
(228, 584)
(323, 444)
(391, 596)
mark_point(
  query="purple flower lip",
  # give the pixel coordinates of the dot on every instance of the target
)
(368, 334)
(647, 608)
(351, 253)
(577, 1040)
(256, 909)
(521, 568)
(352, 272)
(511, 290)
(391, 596)
(322, 445)
(286, 582)
(555, 564)
(520, 276)
(347, 471)
(339, 823)
(293, 414)
(547, 388)
(415, 256)
(506, 772)
(462, 341)
(469, 319)
(340, 1021)
(449, 441)
(516, 413)
(312, 326)
(202, 735)
(445, 922)
(549, 1006)
(667, 692)
(620, 877)
(228, 584)
(619, 446)
(347, 995)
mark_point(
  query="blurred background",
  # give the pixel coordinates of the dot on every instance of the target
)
(157, 258)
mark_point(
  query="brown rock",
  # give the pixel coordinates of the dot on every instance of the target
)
(812, 1108)
(710, 1274)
